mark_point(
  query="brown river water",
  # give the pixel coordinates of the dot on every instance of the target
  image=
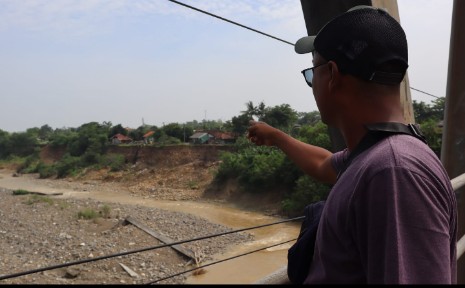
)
(241, 270)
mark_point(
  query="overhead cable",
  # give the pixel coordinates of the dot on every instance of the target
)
(425, 92)
(268, 35)
(227, 20)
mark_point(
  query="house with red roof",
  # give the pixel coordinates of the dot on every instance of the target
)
(120, 139)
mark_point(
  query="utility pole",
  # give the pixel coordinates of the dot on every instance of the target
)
(453, 135)
(317, 13)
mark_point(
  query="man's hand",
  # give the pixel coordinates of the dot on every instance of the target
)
(261, 133)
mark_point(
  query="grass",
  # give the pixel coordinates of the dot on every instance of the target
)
(20, 192)
(105, 212)
(193, 185)
(88, 214)
(39, 199)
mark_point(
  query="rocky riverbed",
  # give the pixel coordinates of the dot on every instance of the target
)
(38, 231)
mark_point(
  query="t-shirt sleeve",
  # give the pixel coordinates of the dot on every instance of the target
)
(402, 222)
(338, 158)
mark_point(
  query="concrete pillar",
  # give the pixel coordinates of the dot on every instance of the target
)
(453, 137)
(405, 96)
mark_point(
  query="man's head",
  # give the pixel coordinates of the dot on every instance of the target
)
(365, 42)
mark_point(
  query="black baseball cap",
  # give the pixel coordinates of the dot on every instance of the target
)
(360, 41)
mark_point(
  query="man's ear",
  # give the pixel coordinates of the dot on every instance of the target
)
(335, 75)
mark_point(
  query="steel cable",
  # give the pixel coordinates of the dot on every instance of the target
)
(268, 35)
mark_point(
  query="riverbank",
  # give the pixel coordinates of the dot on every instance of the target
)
(40, 234)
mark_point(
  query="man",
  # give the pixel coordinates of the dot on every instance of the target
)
(391, 215)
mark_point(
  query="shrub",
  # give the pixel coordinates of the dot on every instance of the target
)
(306, 191)
(29, 165)
(87, 213)
(114, 161)
(20, 192)
(105, 211)
(45, 170)
(67, 165)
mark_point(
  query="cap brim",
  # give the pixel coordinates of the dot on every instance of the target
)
(305, 45)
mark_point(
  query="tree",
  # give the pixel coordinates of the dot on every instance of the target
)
(194, 125)
(424, 112)
(33, 132)
(438, 107)
(428, 116)
(174, 130)
(138, 134)
(4, 144)
(118, 129)
(92, 138)
(240, 124)
(252, 110)
(308, 118)
(45, 132)
(22, 144)
(281, 116)
(62, 137)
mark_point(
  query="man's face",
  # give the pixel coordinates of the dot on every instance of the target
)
(320, 86)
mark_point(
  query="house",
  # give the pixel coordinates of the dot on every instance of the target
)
(200, 138)
(220, 137)
(149, 138)
(120, 139)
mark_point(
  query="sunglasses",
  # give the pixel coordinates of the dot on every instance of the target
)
(308, 73)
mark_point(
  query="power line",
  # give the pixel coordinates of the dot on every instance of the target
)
(230, 21)
(268, 35)
(425, 92)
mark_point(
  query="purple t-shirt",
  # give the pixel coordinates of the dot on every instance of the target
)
(390, 218)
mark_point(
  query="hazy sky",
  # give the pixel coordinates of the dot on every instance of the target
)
(69, 62)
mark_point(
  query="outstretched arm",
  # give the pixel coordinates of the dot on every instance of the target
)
(313, 160)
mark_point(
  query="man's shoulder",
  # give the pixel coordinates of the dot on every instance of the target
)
(401, 152)
(408, 154)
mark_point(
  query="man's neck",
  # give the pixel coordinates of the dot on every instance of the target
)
(353, 133)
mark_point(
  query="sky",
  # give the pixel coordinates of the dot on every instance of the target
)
(64, 63)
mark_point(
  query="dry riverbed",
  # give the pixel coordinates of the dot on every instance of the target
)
(39, 231)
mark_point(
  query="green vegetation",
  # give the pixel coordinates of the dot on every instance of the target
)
(105, 211)
(34, 198)
(429, 116)
(39, 199)
(116, 162)
(21, 192)
(193, 185)
(256, 169)
(87, 214)
(265, 169)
